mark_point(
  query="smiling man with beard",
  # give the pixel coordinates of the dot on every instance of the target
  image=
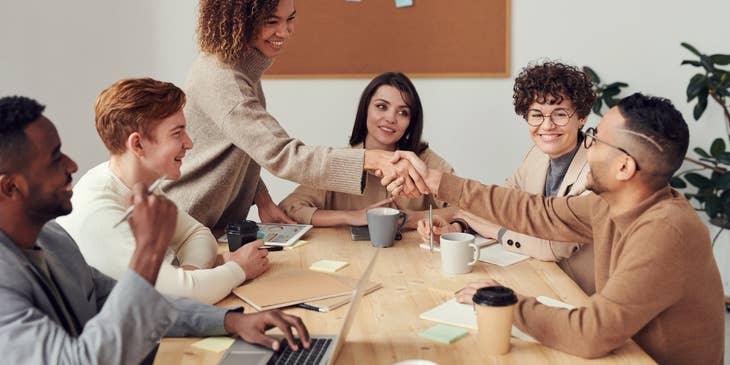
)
(54, 308)
(657, 281)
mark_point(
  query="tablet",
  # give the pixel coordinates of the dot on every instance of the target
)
(278, 234)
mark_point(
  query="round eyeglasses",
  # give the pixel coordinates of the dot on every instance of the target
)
(559, 117)
(590, 137)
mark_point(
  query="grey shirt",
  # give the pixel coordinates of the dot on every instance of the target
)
(558, 168)
(120, 322)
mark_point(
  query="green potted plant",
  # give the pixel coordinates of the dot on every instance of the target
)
(606, 94)
(713, 190)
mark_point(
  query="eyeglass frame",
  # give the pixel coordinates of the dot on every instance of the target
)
(591, 133)
(550, 116)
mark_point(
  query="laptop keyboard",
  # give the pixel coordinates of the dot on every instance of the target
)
(311, 356)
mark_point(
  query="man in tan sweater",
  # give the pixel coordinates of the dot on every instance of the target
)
(656, 278)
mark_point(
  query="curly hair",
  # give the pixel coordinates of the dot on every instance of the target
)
(550, 82)
(16, 112)
(225, 27)
(134, 105)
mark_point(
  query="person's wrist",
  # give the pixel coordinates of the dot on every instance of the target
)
(433, 180)
(229, 321)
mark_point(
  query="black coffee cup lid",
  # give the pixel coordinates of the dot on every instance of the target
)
(495, 296)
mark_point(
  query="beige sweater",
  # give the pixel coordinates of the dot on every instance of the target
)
(234, 136)
(656, 278)
(301, 204)
(100, 200)
(575, 259)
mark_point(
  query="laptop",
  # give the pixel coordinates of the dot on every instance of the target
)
(323, 350)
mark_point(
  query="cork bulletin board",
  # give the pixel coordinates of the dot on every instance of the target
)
(432, 38)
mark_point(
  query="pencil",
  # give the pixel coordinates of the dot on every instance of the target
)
(150, 190)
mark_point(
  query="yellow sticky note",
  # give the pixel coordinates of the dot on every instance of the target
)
(328, 265)
(214, 344)
(299, 243)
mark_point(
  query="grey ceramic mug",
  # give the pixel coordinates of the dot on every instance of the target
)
(383, 225)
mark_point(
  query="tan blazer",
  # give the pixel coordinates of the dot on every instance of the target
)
(301, 204)
(574, 258)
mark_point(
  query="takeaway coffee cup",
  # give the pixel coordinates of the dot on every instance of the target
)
(383, 225)
(494, 306)
(458, 253)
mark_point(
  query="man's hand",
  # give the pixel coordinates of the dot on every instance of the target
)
(252, 328)
(440, 226)
(252, 260)
(153, 224)
(396, 185)
(383, 164)
(465, 295)
(270, 212)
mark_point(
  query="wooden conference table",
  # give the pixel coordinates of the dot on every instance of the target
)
(387, 324)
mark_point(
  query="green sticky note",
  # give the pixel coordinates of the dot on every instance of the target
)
(214, 344)
(443, 333)
(403, 3)
(328, 265)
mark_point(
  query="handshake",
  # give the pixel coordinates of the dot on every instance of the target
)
(403, 173)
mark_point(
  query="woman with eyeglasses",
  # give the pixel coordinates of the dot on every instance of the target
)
(554, 100)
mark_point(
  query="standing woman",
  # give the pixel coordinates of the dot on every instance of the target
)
(234, 134)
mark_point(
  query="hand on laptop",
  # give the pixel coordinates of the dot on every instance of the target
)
(252, 328)
(465, 295)
(252, 260)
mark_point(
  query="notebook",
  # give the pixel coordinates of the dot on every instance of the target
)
(326, 305)
(454, 313)
(292, 287)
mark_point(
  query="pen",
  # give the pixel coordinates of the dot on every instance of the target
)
(310, 307)
(430, 220)
(150, 190)
(271, 248)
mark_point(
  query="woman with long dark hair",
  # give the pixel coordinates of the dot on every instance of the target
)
(389, 117)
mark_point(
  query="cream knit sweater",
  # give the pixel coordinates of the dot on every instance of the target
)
(100, 200)
(234, 136)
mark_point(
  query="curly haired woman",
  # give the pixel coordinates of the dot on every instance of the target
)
(233, 133)
(555, 100)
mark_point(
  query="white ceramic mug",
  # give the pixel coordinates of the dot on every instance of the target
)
(458, 253)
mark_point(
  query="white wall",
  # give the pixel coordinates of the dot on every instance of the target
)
(65, 53)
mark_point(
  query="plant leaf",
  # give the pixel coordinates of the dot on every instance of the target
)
(698, 180)
(693, 63)
(691, 48)
(717, 147)
(677, 182)
(611, 91)
(701, 152)
(611, 102)
(592, 74)
(723, 182)
(701, 106)
(724, 158)
(617, 84)
(721, 59)
(713, 206)
(695, 86)
(597, 106)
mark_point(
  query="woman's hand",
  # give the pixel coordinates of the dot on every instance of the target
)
(440, 226)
